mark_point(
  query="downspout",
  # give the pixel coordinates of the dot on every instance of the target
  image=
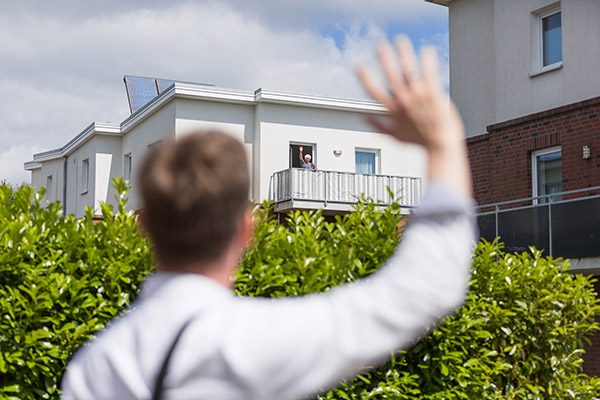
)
(64, 202)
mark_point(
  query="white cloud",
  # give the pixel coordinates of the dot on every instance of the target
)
(63, 67)
(11, 164)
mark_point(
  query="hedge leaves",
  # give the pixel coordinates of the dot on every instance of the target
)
(518, 336)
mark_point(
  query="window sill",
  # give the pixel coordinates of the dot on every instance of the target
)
(547, 68)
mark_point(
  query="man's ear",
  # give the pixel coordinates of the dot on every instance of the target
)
(142, 221)
(245, 232)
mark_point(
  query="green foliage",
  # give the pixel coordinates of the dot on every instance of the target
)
(308, 254)
(518, 336)
(61, 280)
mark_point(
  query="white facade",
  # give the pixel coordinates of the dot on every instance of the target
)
(267, 122)
(495, 66)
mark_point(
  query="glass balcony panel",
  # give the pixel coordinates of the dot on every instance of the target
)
(576, 229)
(518, 229)
(487, 226)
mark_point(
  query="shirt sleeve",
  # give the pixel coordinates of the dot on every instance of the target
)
(307, 344)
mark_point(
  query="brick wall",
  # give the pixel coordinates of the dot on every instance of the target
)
(501, 164)
(501, 158)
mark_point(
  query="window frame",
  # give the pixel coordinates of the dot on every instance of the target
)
(50, 188)
(85, 176)
(538, 17)
(376, 161)
(313, 153)
(534, 169)
(541, 18)
(127, 167)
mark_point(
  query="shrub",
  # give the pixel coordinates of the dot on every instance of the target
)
(61, 280)
(518, 335)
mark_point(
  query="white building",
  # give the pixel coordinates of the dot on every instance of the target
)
(351, 158)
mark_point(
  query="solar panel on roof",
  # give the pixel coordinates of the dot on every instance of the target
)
(139, 91)
(163, 84)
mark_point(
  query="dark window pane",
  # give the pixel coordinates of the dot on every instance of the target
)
(552, 39)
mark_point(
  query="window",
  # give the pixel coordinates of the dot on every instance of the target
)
(127, 167)
(551, 38)
(547, 173)
(295, 154)
(49, 189)
(365, 161)
(85, 175)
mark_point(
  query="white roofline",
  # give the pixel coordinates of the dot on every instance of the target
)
(211, 93)
(31, 165)
(95, 128)
(272, 96)
(440, 2)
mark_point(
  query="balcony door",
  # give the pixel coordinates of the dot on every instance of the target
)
(295, 154)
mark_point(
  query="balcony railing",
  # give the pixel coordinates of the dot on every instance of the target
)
(565, 224)
(328, 188)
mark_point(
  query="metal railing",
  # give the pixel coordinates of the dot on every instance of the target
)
(565, 224)
(343, 187)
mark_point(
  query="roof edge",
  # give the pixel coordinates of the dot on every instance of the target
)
(440, 2)
(95, 128)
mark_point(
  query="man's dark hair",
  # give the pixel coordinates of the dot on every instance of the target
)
(194, 192)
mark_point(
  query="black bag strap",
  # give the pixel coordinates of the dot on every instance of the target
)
(157, 393)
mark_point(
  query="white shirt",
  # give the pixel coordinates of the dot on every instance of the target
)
(252, 348)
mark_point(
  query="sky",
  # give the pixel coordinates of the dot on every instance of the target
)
(62, 62)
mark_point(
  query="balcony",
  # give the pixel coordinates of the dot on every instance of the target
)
(335, 191)
(565, 224)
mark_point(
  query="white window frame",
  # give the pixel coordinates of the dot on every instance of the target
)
(50, 188)
(534, 171)
(127, 167)
(85, 176)
(377, 153)
(538, 17)
(312, 145)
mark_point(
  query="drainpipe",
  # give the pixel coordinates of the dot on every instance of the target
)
(64, 202)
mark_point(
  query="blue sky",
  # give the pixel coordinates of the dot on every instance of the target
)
(63, 66)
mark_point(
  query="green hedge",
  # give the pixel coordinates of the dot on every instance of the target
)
(61, 280)
(518, 336)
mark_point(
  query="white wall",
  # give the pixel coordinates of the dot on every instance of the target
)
(328, 130)
(492, 52)
(52, 168)
(136, 141)
(234, 119)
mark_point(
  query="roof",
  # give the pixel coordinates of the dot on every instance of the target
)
(143, 103)
(440, 2)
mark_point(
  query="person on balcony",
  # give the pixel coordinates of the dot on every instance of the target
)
(305, 162)
(188, 337)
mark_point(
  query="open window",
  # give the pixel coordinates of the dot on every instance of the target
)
(295, 153)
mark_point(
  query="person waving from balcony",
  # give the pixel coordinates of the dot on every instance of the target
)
(306, 161)
(188, 337)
